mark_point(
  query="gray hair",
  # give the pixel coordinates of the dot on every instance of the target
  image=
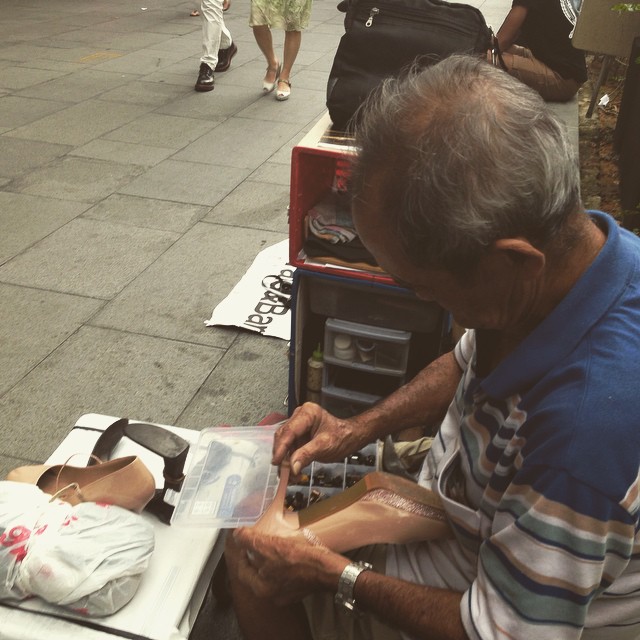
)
(463, 155)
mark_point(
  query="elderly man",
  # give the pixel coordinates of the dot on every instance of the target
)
(466, 190)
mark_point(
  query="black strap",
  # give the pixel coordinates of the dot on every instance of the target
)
(171, 447)
(496, 54)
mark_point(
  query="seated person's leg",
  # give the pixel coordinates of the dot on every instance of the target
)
(550, 85)
(317, 617)
(330, 622)
(260, 618)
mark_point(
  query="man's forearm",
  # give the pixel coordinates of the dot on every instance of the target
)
(422, 401)
(423, 612)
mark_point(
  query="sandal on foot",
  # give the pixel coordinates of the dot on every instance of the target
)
(268, 87)
(283, 94)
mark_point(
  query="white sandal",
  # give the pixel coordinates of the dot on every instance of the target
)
(283, 94)
(268, 87)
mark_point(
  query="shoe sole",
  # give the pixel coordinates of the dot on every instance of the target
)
(204, 87)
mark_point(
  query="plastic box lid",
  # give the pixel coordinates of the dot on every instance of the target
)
(230, 481)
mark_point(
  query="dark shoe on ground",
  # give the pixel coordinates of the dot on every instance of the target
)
(205, 78)
(224, 57)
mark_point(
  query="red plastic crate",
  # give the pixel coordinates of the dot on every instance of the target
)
(314, 168)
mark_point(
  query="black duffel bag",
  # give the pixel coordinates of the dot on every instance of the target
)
(384, 36)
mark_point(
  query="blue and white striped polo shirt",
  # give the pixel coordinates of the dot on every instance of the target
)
(547, 451)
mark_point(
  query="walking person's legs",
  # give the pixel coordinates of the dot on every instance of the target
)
(292, 40)
(214, 34)
(262, 34)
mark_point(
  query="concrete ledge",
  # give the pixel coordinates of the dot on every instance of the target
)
(568, 112)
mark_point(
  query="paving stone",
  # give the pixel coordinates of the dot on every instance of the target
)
(143, 22)
(311, 79)
(101, 371)
(18, 157)
(27, 219)
(254, 204)
(283, 154)
(16, 111)
(20, 77)
(123, 152)
(143, 61)
(213, 106)
(248, 75)
(309, 106)
(34, 323)
(186, 182)
(178, 79)
(75, 178)
(80, 123)
(147, 212)
(77, 87)
(161, 130)
(53, 65)
(107, 40)
(88, 257)
(180, 290)
(239, 134)
(322, 42)
(181, 44)
(273, 173)
(147, 93)
(249, 383)
(34, 52)
(187, 64)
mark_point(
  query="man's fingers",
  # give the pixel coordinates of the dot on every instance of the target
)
(298, 428)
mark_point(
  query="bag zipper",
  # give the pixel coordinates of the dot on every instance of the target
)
(407, 12)
(372, 13)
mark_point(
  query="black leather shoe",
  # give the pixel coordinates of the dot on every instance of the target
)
(205, 78)
(224, 57)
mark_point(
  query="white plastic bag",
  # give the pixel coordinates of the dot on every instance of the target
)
(88, 558)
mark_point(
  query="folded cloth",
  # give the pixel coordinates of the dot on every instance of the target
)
(353, 251)
(330, 219)
(88, 558)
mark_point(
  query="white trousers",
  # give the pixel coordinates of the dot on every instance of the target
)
(214, 34)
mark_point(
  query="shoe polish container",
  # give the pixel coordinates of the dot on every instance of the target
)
(315, 365)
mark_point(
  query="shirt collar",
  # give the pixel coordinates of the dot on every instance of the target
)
(562, 330)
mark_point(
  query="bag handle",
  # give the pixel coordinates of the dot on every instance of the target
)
(496, 55)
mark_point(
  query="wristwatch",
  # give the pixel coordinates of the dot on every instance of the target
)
(344, 596)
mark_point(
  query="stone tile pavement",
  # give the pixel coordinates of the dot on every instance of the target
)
(129, 207)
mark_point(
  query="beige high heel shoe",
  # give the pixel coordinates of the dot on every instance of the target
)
(125, 482)
(380, 508)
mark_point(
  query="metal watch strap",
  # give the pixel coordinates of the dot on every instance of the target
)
(344, 596)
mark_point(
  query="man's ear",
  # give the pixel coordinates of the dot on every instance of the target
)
(522, 255)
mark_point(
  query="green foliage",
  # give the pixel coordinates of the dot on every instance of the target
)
(621, 7)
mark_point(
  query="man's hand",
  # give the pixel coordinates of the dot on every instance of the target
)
(282, 569)
(314, 434)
